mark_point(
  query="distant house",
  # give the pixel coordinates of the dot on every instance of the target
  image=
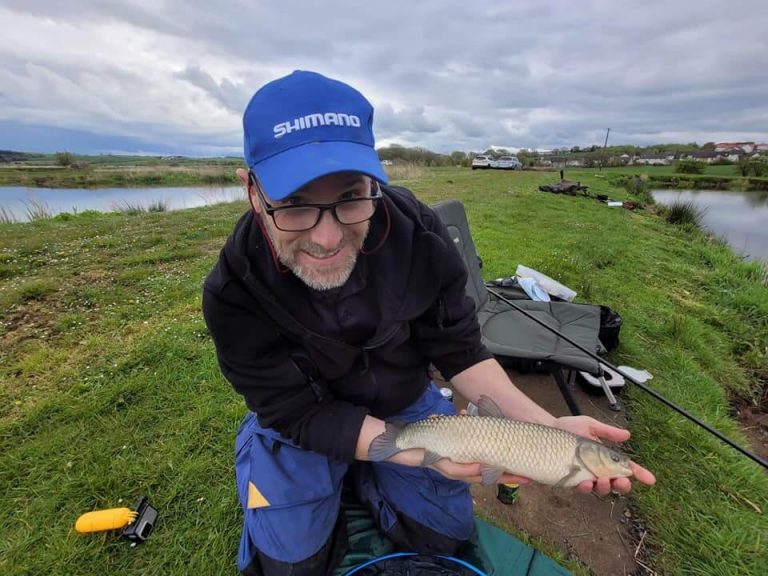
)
(736, 147)
(762, 147)
(655, 159)
(704, 156)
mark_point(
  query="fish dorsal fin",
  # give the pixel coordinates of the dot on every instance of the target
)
(487, 407)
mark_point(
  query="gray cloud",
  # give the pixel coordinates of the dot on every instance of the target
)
(443, 75)
(234, 97)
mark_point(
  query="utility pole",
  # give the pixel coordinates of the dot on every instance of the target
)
(605, 145)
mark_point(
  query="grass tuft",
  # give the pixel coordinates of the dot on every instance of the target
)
(684, 213)
(158, 206)
(7, 216)
(405, 171)
(37, 210)
(37, 289)
(638, 187)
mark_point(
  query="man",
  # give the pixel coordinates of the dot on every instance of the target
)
(328, 303)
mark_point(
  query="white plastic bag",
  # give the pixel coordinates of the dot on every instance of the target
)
(553, 287)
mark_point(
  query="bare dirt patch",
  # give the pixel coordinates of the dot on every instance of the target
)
(754, 421)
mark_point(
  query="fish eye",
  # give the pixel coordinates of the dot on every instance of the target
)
(615, 457)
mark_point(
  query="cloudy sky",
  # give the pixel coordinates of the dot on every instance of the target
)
(173, 76)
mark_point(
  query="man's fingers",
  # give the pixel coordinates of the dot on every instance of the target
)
(473, 473)
(607, 432)
(642, 474)
(512, 479)
(457, 470)
(603, 486)
(621, 485)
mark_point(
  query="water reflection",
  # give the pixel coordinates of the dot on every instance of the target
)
(21, 204)
(740, 218)
(757, 199)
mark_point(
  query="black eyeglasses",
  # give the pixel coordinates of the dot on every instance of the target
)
(302, 217)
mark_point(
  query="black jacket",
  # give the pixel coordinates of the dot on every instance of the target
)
(316, 390)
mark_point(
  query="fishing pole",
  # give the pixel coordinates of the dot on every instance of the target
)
(642, 386)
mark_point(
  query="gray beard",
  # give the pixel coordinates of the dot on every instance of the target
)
(323, 282)
(310, 277)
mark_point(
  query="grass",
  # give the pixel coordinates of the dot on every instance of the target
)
(37, 210)
(115, 176)
(684, 213)
(718, 177)
(136, 208)
(109, 387)
(6, 216)
(709, 170)
(405, 172)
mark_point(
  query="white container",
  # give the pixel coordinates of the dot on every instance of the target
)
(553, 287)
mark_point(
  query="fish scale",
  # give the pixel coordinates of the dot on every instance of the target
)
(542, 453)
(522, 447)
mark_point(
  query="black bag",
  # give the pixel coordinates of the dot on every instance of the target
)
(610, 326)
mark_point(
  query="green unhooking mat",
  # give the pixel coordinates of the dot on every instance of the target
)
(491, 551)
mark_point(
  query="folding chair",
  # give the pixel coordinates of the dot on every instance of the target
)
(511, 336)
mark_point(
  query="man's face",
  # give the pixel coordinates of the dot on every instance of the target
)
(324, 256)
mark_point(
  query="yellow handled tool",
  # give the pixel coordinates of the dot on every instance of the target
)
(100, 520)
(136, 524)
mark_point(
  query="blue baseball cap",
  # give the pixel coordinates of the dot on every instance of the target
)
(304, 126)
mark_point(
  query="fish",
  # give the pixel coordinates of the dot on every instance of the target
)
(541, 453)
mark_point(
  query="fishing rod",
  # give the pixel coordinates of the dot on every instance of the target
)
(642, 386)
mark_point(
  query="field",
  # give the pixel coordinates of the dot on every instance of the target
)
(109, 387)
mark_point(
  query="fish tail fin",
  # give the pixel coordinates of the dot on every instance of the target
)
(383, 446)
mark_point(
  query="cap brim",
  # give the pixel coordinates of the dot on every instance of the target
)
(283, 174)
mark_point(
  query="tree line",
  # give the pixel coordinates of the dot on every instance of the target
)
(594, 153)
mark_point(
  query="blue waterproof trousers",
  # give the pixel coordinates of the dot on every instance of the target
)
(291, 499)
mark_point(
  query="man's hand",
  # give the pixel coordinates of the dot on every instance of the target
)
(595, 430)
(471, 472)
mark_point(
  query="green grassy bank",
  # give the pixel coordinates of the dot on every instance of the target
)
(118, 176)
(136, 171)
(109, 387)
(714, 177)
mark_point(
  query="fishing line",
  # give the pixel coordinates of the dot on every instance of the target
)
(643, 387)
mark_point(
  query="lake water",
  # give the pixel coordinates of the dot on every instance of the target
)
(741, 218)
(16, 201)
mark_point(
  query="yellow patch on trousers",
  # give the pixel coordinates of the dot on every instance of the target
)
(255, 497)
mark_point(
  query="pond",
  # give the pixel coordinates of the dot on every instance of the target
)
(18, 204)
(740, 218)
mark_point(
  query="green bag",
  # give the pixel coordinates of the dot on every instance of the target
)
(491, 551)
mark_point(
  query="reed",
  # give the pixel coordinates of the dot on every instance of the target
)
(684, 213)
